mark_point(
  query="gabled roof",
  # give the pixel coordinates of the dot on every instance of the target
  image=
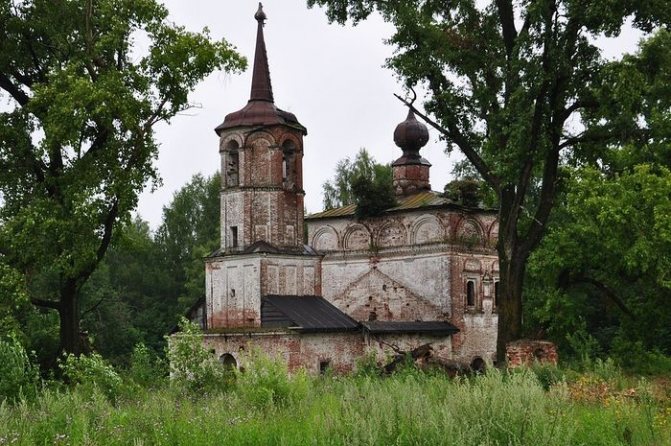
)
(429, 327)
(420, 200)
(305, 314)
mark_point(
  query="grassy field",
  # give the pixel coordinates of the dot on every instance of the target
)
(265, 406)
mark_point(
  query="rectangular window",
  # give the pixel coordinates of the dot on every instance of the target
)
(470, 293)
(324, 366)
(496, 293)
(234, 236)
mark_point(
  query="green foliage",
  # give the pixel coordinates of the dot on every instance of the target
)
(189, 231)
(367, 366)
(600, 277)
(146, 368)
(192, 366)
(14, 299)
(521, 88)
(90, 373)
(265, 382)
(466, 192)
(373, 195)
(76, 141)
(496, 408)
(19, 377)
(363, 182)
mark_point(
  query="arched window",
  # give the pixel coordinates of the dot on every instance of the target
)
(228, 361)
(289, 164)
(470, 293)
(232, 164)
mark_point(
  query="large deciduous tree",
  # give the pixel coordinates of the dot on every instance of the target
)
(77, 144)
(517, 86)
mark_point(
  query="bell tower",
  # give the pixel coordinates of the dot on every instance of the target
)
(262, 251)
(261, 149)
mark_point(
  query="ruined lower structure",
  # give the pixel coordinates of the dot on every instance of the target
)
(422, 274)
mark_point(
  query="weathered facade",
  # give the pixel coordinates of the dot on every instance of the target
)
(423, 272)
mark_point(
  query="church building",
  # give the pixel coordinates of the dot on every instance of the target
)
(423, 273)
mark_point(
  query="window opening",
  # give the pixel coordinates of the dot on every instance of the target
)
(233, 165)
(234, 236)
(496, 293)
(324, 366)
(228, 361)
(470, 293)
(288, 163)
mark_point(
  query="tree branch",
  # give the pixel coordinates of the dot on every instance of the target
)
(568, 281)
(460, 140)
(507, 19)
(19, 95)
(93, 308)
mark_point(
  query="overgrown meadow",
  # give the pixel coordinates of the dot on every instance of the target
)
(204, 404)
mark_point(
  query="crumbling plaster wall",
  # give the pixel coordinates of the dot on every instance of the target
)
(266, 200)
(234, 285)
(340, 351)
(415, 266)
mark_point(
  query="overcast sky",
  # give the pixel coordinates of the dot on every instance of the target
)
(332, 77)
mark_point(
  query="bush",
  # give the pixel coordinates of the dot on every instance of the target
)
(192, 366)
(547, 375)
(19, 377)
(266, 382)
(146, 368)
(90, 373)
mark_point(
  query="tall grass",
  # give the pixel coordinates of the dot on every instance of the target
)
(265, 406)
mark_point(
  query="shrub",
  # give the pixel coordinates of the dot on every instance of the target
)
(192, 366)
(547, 375)
(146, 368)
(90, 372)
(266, 381)
(19, 377)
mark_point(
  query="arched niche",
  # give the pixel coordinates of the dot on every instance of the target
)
(392, 234)
(325, 239)
(260, 164)
(231, 163)
(289, 168)
(469, 233)
(228, 361)
(357, 238)
(473, 265)
(427, 229)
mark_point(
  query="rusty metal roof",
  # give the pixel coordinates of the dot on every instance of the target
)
(431, 327)
(304, 314)
(415, 201)
(260, 110)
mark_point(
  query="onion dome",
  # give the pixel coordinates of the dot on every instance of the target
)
(411, 135)
(261, 109)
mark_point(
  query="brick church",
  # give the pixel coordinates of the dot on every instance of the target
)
(424, 273)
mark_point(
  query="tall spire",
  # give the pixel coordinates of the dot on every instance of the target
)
(260, 109)
(262, 90)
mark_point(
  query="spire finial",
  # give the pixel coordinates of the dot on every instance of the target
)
(262, 89)
(260, 15)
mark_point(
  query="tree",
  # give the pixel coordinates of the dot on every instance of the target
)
(603, 268)
(363, 182)
(189, 232)
(517, 86)
(77, 144)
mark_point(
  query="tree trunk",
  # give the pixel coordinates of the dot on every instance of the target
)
(509, 306)
(69, 320)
